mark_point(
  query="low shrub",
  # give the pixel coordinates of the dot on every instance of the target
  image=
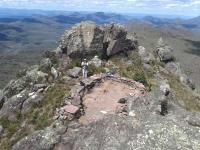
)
(140, 77)
(92, 69)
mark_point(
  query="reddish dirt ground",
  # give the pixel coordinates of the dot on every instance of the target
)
(103, 100)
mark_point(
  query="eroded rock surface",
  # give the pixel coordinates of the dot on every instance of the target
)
(87, 38)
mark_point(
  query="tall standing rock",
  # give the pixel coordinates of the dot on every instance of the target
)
(87, 38)
(163, 51)
(115, 39)
(83, 38)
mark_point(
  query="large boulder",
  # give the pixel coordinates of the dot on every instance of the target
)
(45, 65)
(173, 67)
(187, 81)
(96, 62)
(145, 55)
(116, 39)
(34, 97)
(164, 52)
(75, 72)
(36, 76)
(14, 105)
(54, 73)
(82, 38)
(87, 38)
(15, 86)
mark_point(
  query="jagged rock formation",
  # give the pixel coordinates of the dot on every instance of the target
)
(144, 119)
(164, 53)
(19, 95)
(87, 38)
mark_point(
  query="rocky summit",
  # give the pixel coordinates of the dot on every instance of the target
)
(87, 38)
(133, 97)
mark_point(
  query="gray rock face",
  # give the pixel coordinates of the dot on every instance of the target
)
(36, 87)
(75, 72)
(173, 67)
(54, 72)
(96, 62)
(15, 86)
(34, 97)
(187, 81)
(45, 64)
(43, 139)
(2, 99)
(86, 38)
(1, 129)
(144, 128)
(164, 52)
(115, 37)
(36, 76)
(14, 105)
(118, 133)
(146, 56)
(164, 87)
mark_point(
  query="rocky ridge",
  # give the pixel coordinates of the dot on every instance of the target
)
(152, 120)
(87, 38)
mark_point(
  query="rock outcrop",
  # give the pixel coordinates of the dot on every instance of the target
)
(143, 128)
(96, 62)
(146, 56)
(87, 38)
(135, 117)
(164, 51)
(74, 72)
(20, 94)
(43, 139)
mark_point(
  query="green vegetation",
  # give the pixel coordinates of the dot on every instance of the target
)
(133, 70)
(92, 69)
(52, 56)
(185, 97)
(74, 63)
(38, 117)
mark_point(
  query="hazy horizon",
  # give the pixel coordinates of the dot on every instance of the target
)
(156, 7)
(32, 11)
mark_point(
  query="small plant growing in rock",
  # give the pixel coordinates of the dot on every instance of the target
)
(52, 56)
(74, 63)
(140, 77)
(92, 69)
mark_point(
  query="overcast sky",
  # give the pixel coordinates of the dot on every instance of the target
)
(167, 7)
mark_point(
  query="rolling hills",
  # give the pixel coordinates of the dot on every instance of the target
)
(24, 38)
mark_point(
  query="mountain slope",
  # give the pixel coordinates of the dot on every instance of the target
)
(131, 99)
(185, 45)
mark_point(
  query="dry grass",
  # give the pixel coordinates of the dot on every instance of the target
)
(38, 117)
(185, 97)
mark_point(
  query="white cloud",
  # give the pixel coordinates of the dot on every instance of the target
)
(109, 5)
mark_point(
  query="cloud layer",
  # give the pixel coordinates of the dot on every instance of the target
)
(185, 7)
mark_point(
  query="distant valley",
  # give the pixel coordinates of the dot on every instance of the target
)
(23, 39)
